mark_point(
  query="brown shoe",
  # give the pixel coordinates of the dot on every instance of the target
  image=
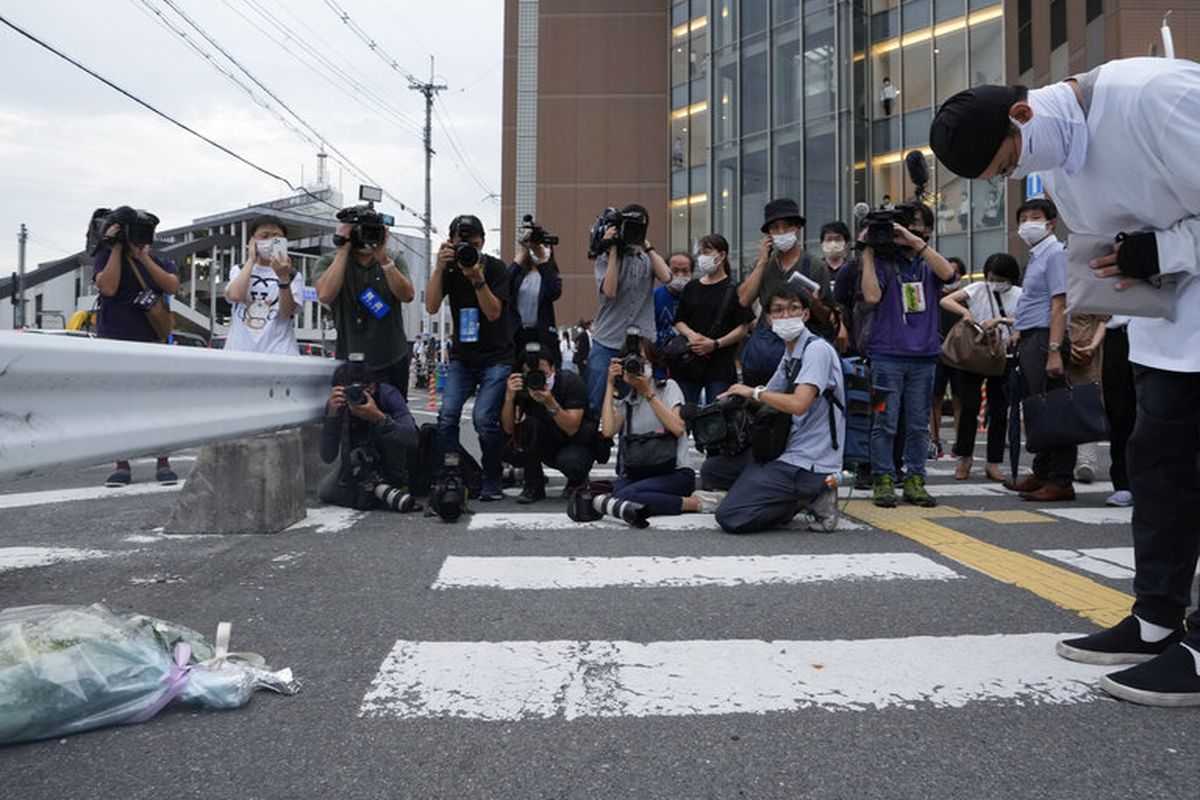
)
(995, 473)
(1030, 483)
(963, 470)
(1050, 493)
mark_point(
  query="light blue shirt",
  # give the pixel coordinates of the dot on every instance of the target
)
(810, 445)
(1045, 277)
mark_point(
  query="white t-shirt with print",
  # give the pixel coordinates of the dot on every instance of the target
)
(256, 325)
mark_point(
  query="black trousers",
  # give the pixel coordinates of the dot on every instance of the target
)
(970, 392)
(573, 457)
(1055, 464)
(1120, 401)
(1164, 451)
(397, 374)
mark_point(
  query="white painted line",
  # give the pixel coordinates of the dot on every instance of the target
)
(559, 521)
(552, 572)
(328, 519)
(523, 680)
(1091, 561)
(52, 496)
(972, 489)
(1093, 516)
(25, 557)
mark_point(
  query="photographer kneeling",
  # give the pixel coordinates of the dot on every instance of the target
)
(652, 448)
(545, 413)
(796, 454)
(369, 424)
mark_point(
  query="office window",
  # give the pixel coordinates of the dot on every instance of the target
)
(726, 191)
(725, 23)
(754, 17)
(988, 200)
(1024, 35)
(724, 101)
(1058, 23)
(987, 52)
(916, 15)
(948, 9)
(785, 10)
(787, 172)
(698, 136)
(754, 86)
(679, 14)
(950, 57)
(820, 177)
(756, 183)
(916, 127)
(819, 65)
(786, 49)
(918, 76)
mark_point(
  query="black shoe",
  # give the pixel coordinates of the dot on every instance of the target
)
(572, 488)
(1169, 680)
(166, 476)
(121, 477)
(1120, 644)
(532, 493)
(490, 495)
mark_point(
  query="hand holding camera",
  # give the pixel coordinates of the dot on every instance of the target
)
(337, 401)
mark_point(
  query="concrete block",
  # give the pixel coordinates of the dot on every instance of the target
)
(314, 467)
(253, 485)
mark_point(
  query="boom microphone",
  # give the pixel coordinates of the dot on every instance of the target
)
(861, 210)
(918, 170)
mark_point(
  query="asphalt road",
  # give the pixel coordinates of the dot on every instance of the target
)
(332, 602)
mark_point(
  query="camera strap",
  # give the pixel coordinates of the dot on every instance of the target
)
(724, 307)
(829, 393)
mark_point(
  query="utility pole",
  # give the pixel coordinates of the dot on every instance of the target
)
(19, 310)
(429, 90)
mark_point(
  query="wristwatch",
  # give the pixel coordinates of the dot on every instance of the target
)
(1055, 347)
(479, 285)
(758, 390)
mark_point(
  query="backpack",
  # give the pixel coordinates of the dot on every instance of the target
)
(424, 464)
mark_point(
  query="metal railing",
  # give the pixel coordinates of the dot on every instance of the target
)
(69, 401)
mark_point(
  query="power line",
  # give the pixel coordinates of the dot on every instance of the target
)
(342, 157)
(457, 145)
(345, 17)
(144, 104)
(171, 119)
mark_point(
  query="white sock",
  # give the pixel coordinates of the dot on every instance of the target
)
(1195, 655)
(1152, 633)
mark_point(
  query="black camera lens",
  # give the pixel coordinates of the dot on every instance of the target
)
(535, 380)
(465, 254)
(633, 365)
(371, 234)
(356, 394)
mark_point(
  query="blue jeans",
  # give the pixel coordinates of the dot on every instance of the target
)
(597, 374)
(662, 495)
(907, 381)
(487, 384)
(712, 388)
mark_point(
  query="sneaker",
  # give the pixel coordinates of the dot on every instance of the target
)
(531, 494)
(883, 492)
(709, 501)
(935, 450)
(1122, 498)
(914, 492)
(862, 481)
(1171, 679)
(1120, 644)
(823, 511)
(166, 476)
(121, 477)
(490, 494)
(1084, 473)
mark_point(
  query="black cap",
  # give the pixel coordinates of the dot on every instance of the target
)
(465, 225)
(970, 127)
(782, 208)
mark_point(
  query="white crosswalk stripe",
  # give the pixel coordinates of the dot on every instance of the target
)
(523, 680)
(559, 521)
(1092, 516)
(555, 572)
(1109, 562)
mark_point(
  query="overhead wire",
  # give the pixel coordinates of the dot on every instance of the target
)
(459, 149)
(338, 155)
(164, 115)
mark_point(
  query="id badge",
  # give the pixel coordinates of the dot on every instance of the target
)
(468, 324)
(374, 303)
(914, 297)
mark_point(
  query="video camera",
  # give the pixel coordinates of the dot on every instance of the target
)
(881, 236)
(534, 234)
(631, 230)
(448, 494)
(136, 227)
(368, 227)
(721, 427)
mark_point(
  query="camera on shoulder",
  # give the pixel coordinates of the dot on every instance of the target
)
(630, 224)
(534, 234)
(135, 226)
(368, 227)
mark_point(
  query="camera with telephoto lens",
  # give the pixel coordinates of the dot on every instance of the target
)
(356, 394)
(370, 490)
(631, 230)
(722, 427)
(448, 494)
(135, 227)
(368, 227)
(535, 234)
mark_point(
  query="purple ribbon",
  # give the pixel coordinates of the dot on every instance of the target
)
(175, 679)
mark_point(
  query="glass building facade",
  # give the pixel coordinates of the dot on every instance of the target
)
(819, 100)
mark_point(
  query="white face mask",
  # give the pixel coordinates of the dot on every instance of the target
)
(1055, 136)
(784, 241)
(550, 382)
(789, 328)
(1033, 232)
(541, 258)
(678, 282)
(706, 264)
(998, 286)
(837, 248)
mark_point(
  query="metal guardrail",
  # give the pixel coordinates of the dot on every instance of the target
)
(69, 401)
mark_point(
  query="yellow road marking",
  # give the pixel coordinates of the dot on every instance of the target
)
(1062, 587)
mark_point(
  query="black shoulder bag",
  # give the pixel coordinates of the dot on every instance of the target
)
(646, 455)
